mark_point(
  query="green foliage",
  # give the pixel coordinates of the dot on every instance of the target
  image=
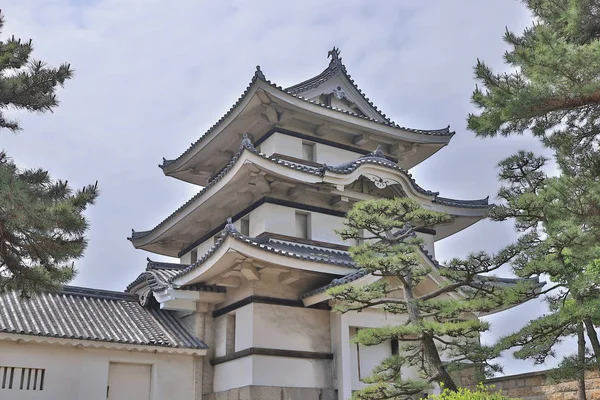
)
(479, 393)
(26, 84)
(440, 320)
(41, 228)
(42, 225)
(554, 87)
(553, 91)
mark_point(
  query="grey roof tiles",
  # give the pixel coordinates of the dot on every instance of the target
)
(376, 157)
(295, 92)
(92, 314)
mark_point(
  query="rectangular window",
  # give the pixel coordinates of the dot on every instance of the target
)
(245, 226)
(308, 151)
(19, 378)
(302, 225)
(230, 334)
(194, 255)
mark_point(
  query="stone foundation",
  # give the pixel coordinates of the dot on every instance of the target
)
(273, 393)
(535, 386)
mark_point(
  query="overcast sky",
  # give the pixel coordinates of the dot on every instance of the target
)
(152, 76)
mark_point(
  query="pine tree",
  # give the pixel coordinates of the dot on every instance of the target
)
(438, 323)
(42, 225)
(552, 91)
(554, 87)
(558, 238)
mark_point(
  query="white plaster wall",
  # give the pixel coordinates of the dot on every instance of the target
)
(291, 328)
(291, 372)
(365, 358)
(273, 218)
(333, 155)
(220, 335)
(232, 374)
(324, 226)
(202, 249)
(261, 370)
(244, 327)
(75, 374)
(279, 143)
(282, 220)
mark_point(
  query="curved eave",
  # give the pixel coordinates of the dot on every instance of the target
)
(372, 167)
(439, 137)
(233, 247)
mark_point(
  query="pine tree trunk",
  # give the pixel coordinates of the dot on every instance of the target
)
(433, 363)
(593, 336)
(581, 361)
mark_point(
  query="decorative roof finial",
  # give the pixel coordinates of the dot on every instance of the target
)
(378, 152)
(246, 142)
(335, 56)
(259, 74)
(229, 227)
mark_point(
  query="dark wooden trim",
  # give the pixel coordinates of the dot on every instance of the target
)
(264, 300)
(306, 207)
(272, 352)
(309, 242)
(316, 139)
(297, 160)
(256, 204)
(428, 231)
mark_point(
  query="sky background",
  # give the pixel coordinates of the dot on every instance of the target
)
(152, 76)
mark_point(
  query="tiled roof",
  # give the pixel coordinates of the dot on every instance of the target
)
(335, 66)
(337, 282)
(158, 275)
(92, 314)
(292, 250)
(295, 92)
(376, 157)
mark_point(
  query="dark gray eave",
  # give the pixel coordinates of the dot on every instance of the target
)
(298, 251)
(94, 315)
(295, 92)
(376, 157)
(158, 275)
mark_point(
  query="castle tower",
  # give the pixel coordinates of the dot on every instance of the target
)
(257, 245)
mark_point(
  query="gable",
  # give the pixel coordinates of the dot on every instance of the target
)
(333, 87)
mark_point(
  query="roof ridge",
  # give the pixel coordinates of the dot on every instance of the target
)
(333, 67)
(93, 292)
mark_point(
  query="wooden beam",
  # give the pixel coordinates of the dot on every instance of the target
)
(231, 281)
(360, 140)
(249, 271)
(270, 112)
(264, 97)
(337, 201)
(322, 130)
(290, 277)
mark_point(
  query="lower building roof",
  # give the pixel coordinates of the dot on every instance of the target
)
(95, 315)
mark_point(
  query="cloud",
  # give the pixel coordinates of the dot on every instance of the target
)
(152, 76)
